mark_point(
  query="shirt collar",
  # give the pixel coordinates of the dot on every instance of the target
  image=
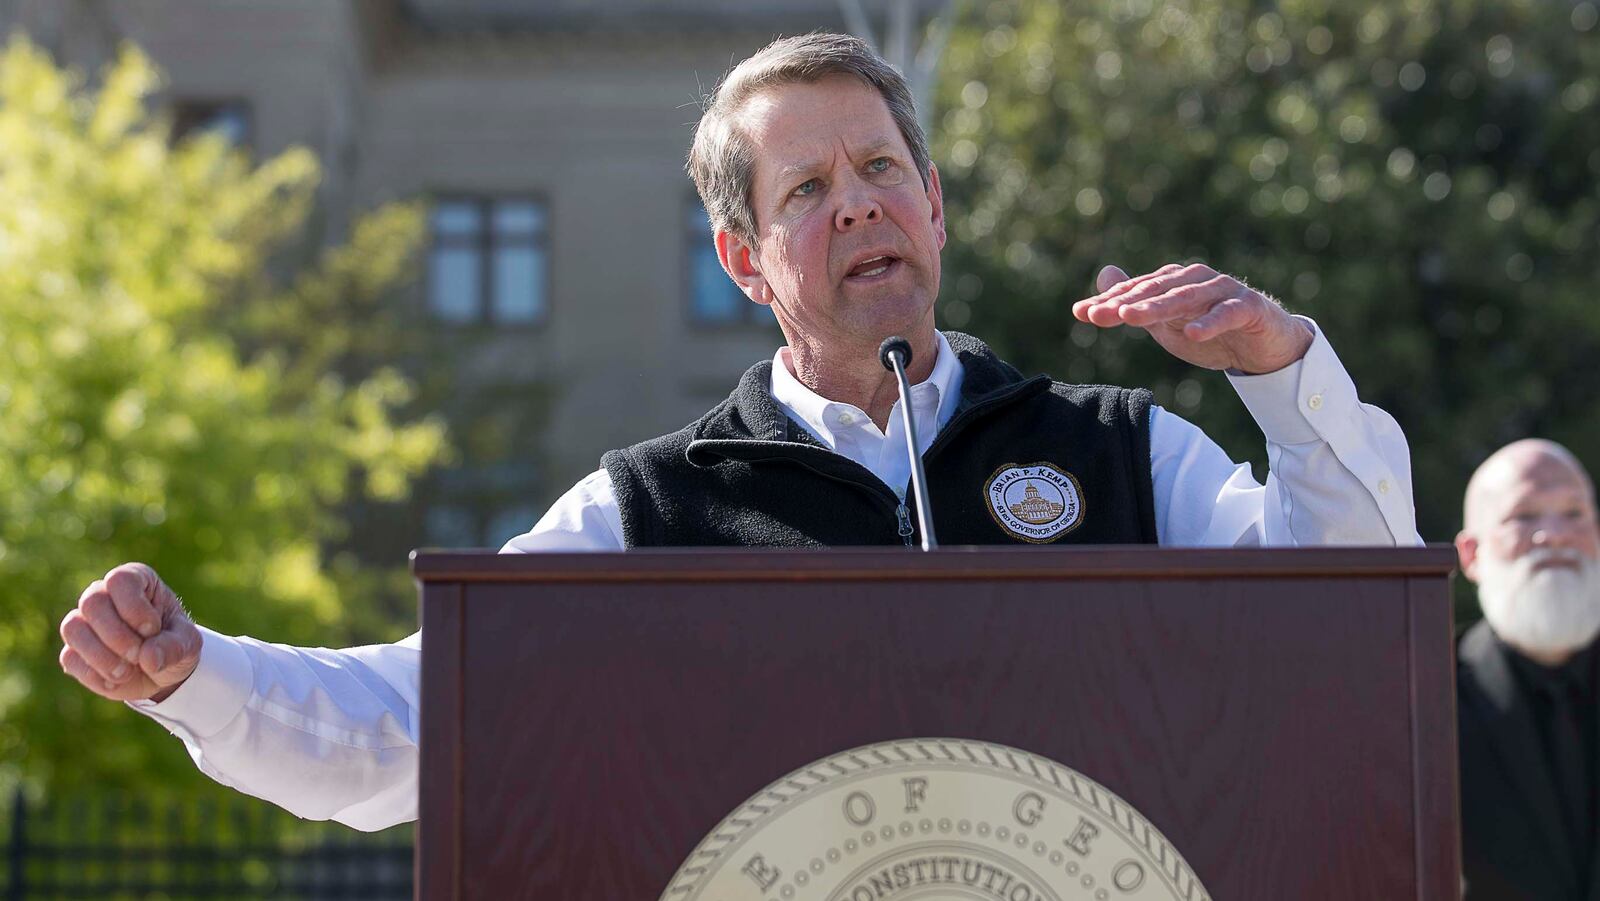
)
(811, 409)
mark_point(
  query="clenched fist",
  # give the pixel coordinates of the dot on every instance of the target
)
(129, 639)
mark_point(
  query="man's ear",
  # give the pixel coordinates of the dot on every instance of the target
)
(1467, 550)
(936, 200)
(743, 264)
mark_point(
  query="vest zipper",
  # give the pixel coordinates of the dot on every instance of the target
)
(901, 511)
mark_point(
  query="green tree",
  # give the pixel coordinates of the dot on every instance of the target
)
(165, 398)
(1420, 177)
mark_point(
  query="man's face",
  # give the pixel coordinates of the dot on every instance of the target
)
(1533, 546)
(849, 238)
(1531, 502)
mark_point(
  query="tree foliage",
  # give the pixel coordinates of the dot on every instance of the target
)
(1419, 177)
(165, 398)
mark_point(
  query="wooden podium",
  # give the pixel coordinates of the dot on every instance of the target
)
(1284, 719)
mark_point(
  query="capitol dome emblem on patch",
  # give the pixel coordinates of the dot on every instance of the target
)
(935, 819)
(1036, 503)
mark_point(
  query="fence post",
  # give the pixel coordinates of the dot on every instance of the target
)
(17, 849)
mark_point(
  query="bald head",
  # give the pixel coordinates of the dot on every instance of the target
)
(1517, 468)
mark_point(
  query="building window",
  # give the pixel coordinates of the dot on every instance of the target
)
(713, 297)
(489, 260)
(229, 119)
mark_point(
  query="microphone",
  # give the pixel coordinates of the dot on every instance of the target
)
(895, 355)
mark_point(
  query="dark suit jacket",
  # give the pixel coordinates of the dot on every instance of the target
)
(1514, 846)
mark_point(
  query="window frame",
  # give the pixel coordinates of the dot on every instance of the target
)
(752, 317)
(485, 244)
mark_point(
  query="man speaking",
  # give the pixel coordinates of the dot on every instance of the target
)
(825, 207)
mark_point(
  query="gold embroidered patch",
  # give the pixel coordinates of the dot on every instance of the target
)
(1036, 503)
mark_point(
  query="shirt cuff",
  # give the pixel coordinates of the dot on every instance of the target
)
(214, 693)
(1288, 404)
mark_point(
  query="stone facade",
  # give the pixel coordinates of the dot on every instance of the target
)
(586, 107)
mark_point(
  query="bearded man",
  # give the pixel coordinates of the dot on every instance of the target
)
(1526, 678)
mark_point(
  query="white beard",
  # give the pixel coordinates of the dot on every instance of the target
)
(1547, 611)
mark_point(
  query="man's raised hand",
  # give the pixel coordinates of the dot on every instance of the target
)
(129, 638)
(1200, 316)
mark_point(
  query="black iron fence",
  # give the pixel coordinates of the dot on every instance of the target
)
(121, 849)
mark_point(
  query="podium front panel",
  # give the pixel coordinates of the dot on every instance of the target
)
(1283, 718)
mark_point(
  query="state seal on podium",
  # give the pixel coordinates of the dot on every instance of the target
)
(926, 819)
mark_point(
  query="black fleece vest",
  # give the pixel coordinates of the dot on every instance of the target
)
(745, 474)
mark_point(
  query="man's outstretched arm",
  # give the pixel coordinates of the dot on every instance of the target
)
(325, 734)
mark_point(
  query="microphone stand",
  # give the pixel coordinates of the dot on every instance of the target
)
(895, 355)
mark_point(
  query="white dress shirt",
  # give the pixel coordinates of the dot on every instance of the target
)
(331, 734)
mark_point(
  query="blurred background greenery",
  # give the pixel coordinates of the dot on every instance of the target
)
(1422, 178)
(175, 390)
(183, 382)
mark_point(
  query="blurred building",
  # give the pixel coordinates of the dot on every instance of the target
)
(569, 266)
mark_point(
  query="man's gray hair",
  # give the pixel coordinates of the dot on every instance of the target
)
(721, 160)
